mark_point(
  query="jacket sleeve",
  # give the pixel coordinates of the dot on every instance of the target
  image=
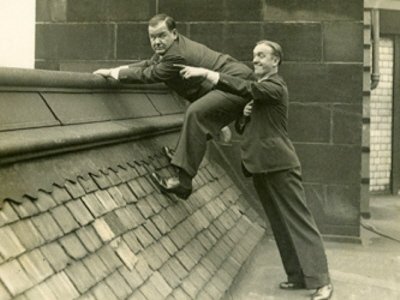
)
(141, 63)
(270, 90)
(152, 72)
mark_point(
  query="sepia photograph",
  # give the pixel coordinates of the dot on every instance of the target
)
(200, 150)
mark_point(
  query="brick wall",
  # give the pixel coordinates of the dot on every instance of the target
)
(381, 121)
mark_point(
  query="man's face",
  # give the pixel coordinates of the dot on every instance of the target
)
(161, 38)
(263, 60)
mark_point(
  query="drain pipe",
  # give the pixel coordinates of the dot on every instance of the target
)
(375, 76)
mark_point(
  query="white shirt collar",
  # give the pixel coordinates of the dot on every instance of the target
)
(265, 77)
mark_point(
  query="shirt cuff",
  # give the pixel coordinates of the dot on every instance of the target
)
(115, 72)
(213, 77)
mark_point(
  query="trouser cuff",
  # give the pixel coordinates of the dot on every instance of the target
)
(316, 281)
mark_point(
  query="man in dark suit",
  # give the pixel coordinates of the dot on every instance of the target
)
(210, 110)
(269, 156)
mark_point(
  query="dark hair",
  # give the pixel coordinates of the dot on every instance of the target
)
(276, 49)
(169, 21)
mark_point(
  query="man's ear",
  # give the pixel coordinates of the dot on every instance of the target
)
(175, 33)
(276, 61)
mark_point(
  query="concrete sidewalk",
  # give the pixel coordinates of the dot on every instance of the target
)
(366, 271)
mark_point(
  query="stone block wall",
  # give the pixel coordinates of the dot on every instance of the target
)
(381, 121)
(323, 66)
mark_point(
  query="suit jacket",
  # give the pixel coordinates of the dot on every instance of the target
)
(266, 146)
(188, 52)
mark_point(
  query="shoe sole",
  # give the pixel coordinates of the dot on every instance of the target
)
(293, 286)
(313, 297)
(184, 196)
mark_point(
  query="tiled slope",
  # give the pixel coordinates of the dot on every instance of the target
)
(115, 236)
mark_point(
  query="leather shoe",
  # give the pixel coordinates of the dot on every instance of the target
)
(323, 293)
(286, 285)
(171, 185)
(169, 153)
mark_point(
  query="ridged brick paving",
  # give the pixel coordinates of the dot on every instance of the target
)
(114, 236)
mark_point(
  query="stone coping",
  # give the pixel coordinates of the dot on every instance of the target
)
(23, 144)
(20, 77)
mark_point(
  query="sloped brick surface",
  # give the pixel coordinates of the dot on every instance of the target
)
(114, 236)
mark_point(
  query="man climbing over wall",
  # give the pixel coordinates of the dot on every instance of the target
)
(210, 111)
(269, 157)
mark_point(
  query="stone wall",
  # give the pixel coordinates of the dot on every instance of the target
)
(324, 72)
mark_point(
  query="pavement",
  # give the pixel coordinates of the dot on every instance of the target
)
(366, 271)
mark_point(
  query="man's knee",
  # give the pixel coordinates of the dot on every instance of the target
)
(196, 110)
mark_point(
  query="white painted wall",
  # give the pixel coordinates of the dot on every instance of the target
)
(17, 33)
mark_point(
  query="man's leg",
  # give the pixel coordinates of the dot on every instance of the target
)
(204, 118)
(285, 245)
(286, 190)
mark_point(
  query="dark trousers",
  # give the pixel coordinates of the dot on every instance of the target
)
(295, 231)
(204, 118)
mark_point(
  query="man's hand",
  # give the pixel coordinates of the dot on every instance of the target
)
(248, 109)
(189, 72)
(110, 73)
(103, 72)
(225, 135)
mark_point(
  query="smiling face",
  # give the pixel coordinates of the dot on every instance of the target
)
(161, 38)
(264, 60)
